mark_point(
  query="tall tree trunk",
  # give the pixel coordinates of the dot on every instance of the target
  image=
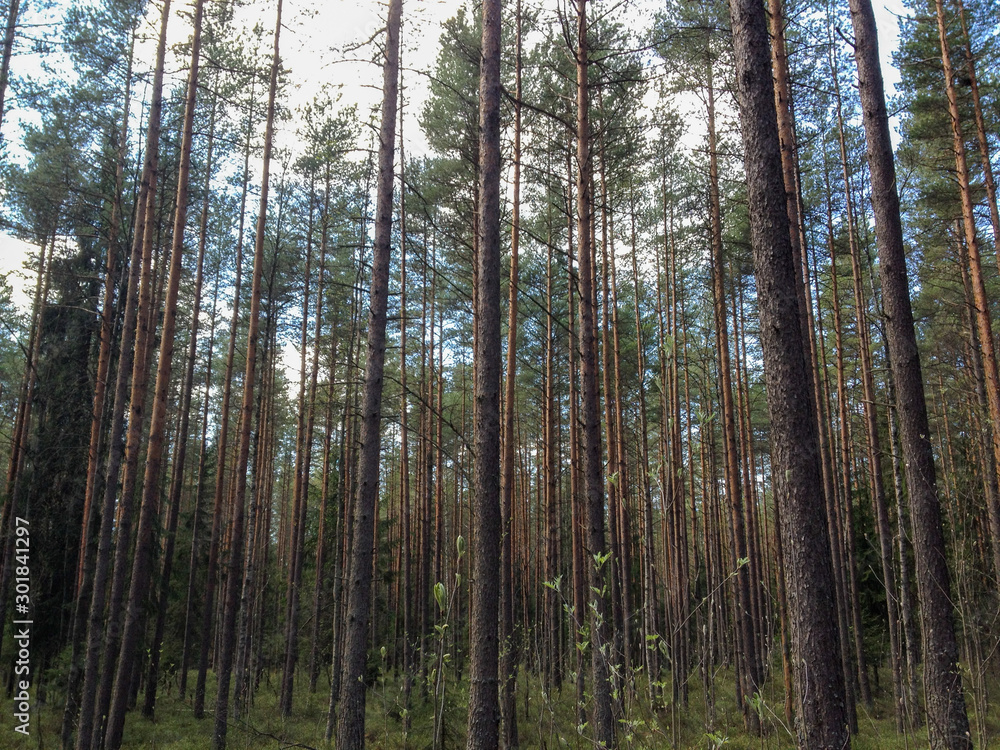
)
(748, 663)
(177, 481)
(199, 493)
(989, 183)
(794, 437)
(614, 480)
(904, 548)
(553, 535)
(981, 302)
(404, 442)
(484, 704)
(347, 473)
(222, 452)
(351, 726)
(307, 408)
(875, 462)
(13, 11)
(150, 508)
(577, 501)
(125, 513)
(847, 528)
(320, 586)
(948, 722)
(234, 578)
(593, 462)
(508, 647)
(650, 631)
(90, 715)
(249, 628)
(833, 498)
(85, 560)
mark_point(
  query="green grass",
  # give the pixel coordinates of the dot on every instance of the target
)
(544, 720)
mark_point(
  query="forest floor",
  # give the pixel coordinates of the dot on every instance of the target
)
(544, 721)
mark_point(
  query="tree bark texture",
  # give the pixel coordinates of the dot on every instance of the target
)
(794, 436)
(948, 722)
(351, 721)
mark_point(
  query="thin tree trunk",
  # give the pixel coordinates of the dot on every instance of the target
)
(981, 303)
(304, 459)
(603, 720)
(13, 11)
(222, 452)
(351, 726)
(989, 183)
(404, 442)
(650, 631)
(508, 647)
(904, 532)
(177, 481)
(878, 485)
(150, 506)
(235, 572)
(199, 494)
(90, 714)
(553, 535)
(836, 526)
(320, 586)
(614, 479)
(749, 666)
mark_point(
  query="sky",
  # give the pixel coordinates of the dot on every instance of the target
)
(315, 49)
(13, 253)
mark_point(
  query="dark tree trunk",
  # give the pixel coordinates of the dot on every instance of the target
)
(794, 435)
(351, 726)
(948, 722)
(13, 11)
(593, 462)
(484, 705)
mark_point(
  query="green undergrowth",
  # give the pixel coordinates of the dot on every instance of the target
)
(545, 720)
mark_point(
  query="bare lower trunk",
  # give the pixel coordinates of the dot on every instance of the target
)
(150, 505)
(593, 463)
(91, 714)
(508, 647)
(948, 721)
(351, 726)
(234, 578)
(484, 704)
(791, 404)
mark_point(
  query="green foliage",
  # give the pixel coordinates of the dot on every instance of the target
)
(549, 720)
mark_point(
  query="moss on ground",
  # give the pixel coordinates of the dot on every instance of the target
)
(544, 721)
